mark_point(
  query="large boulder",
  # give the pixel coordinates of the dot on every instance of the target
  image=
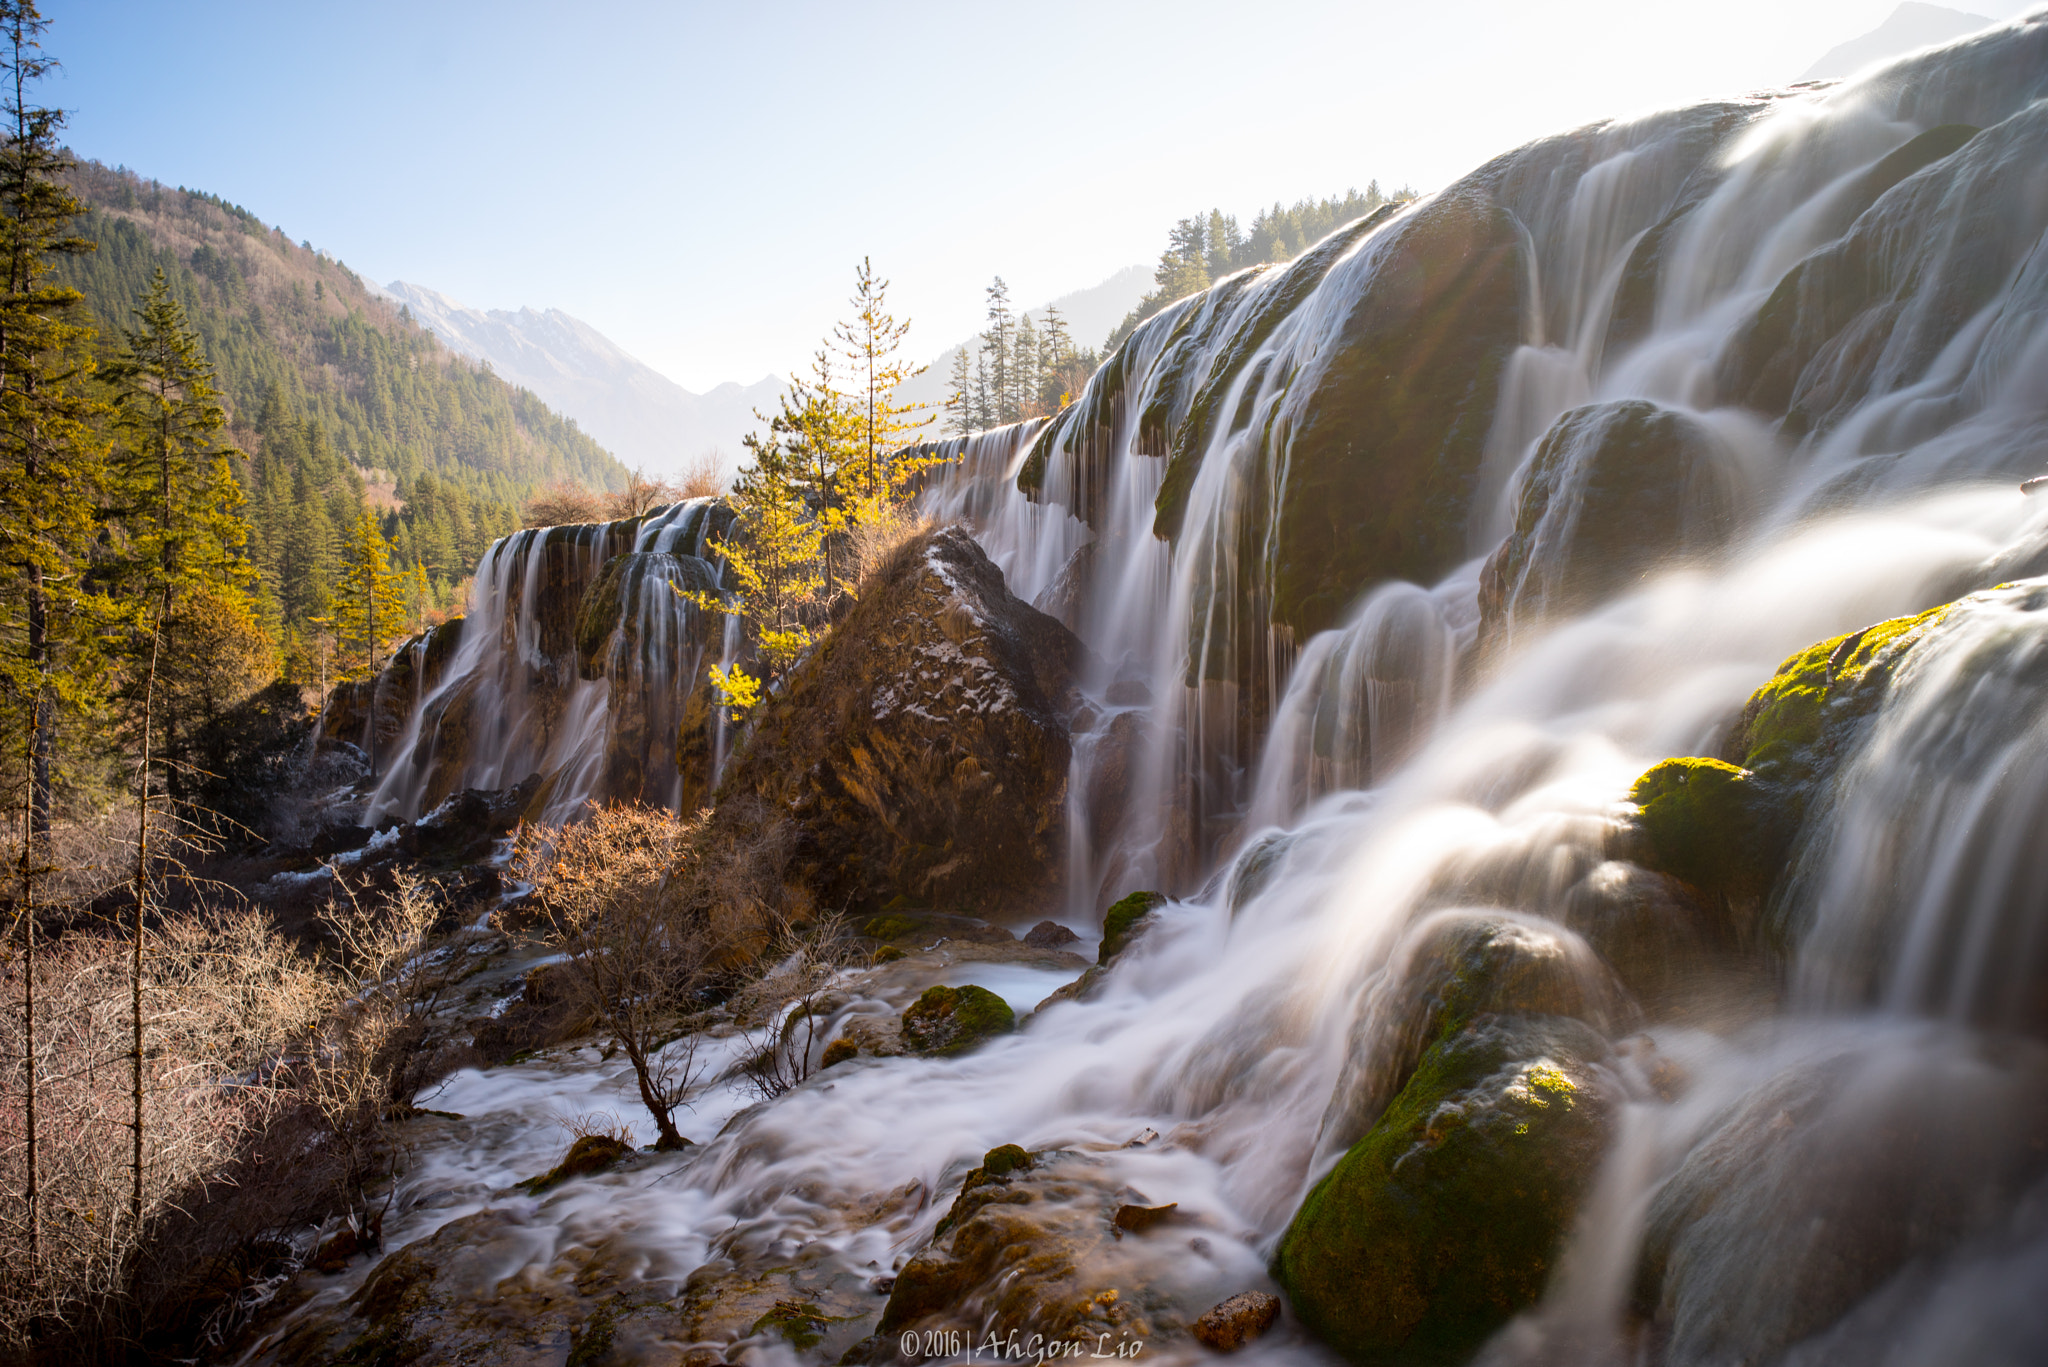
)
(1614, 491)
(1447, 1217)
(920, 753)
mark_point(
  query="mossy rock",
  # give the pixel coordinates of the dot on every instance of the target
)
(1446, 1219)
(889, 927)
(1794, 728)
(1124, 919)
(1714, 825)
(799, 1323)
(591, 1153)
(1726, 825)
(952, 1020)
(839, 1051)
(1452, 969)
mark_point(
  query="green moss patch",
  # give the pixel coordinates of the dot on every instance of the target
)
(1123, 920)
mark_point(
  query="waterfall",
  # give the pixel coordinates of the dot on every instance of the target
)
(1331, 531)
(576, 664)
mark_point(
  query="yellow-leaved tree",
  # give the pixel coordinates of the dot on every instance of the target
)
(833, 484)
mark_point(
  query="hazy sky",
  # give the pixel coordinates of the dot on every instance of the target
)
(698, 180)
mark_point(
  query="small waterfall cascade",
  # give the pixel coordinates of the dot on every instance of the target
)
(576, 662)
(1399, 563)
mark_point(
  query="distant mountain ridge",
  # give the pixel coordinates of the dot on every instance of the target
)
(641, 415)
(1912, 25)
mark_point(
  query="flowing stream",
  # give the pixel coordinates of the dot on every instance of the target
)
(1311, 793)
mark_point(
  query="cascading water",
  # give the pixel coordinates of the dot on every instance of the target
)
(577, 662)
(1295, 518)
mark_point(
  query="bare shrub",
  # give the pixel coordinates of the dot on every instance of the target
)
(635, 954)
(704, 477)
(561, 503)
(643, 493)
(790, 1006)
(220, 992)
(738, 884)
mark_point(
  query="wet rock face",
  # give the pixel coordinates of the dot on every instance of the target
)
(922, 750)
(1862, 1162)
(1384, 437)
(1446, 1219)
(1939, 228)
(1614, 490)
(415, 670)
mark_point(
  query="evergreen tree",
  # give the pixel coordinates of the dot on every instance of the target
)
(998, 348)
(961, 413)
(51, 463)
(369, 600)
(871, 341)
(177, 501)
(1026, 370)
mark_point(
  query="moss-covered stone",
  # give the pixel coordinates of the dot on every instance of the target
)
(1124, 919)
(799, 1323)
(952, 1020)
(1726, 824)
(1446, 1219)
(1449, 971)
(1713, 824)
(839, 1051)
(591, 1153)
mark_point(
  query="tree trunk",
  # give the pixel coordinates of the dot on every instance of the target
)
(156, 636)
(31, 1196)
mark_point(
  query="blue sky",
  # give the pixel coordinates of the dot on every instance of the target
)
(698, 181)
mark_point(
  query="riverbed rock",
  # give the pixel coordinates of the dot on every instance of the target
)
(1030, 1249)
(1232, 1324)
(921, 750)
(1614, 491)
(1446, 1219)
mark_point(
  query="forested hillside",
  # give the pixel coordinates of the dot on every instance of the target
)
(338, 397)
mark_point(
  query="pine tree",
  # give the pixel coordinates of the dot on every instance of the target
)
(871, 341)
(178, 502)
(50, 480)
(1026, 368)
(369, 600)
(961, 412)
(51, 463)
(998, 347)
